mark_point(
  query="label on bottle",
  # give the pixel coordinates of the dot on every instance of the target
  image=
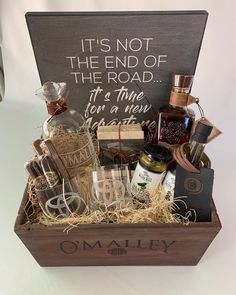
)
(174, 130)
(144, 179)
(169, 183)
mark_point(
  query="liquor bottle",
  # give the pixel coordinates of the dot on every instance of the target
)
(176, 120)
(192, 158)
(67, 130)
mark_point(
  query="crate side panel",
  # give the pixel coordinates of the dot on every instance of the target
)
(150, 246)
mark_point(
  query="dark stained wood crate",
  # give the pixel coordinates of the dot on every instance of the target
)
(117, 244)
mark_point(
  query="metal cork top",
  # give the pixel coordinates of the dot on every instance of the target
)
(182, 83)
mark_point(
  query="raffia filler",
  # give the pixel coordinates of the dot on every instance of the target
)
(158, 210)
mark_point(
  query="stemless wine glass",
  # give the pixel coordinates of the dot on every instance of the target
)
(60, 201)
(110, 188)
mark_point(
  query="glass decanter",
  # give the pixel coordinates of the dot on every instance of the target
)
(67, 130)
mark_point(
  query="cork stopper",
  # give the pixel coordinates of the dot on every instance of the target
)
(53, 91)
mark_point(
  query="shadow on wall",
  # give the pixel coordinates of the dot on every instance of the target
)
(1, 76)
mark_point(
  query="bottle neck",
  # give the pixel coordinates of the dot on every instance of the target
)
(181, 90)
(56, 107)
(181, 97)
(178, 108)
(178, 99)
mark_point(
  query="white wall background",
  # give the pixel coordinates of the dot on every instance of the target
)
(21, 115)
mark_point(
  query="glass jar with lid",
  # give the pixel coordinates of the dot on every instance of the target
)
(153, 161)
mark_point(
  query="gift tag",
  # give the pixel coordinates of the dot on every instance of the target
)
(195, 192)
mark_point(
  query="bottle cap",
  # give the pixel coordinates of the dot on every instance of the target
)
(158, 153)
(202, 131)
(55, 95)
(182, 83)
(180, 94)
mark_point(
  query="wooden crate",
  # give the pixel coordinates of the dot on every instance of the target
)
(117, 244)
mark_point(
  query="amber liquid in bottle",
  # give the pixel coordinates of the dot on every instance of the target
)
(176, 120)
(175, 124)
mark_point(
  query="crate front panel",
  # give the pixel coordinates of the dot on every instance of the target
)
(159, 245)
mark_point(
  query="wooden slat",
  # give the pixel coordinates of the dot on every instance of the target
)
(90, 243)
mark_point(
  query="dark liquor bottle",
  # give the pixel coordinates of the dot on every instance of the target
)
(176, 120)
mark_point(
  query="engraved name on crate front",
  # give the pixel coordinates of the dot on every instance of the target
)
(116, 247)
